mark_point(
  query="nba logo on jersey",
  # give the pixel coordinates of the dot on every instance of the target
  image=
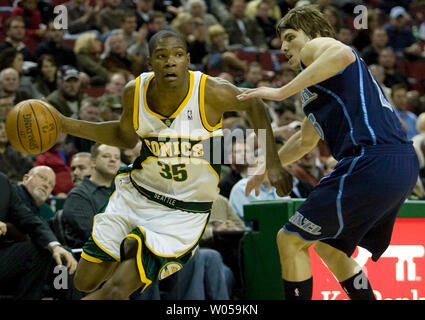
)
(307, 96)
(189, 115)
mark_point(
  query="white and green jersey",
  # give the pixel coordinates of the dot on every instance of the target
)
(181, 155)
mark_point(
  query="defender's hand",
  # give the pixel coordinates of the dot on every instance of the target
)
(266, 93)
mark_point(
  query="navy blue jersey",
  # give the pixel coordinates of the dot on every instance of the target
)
(349, 110)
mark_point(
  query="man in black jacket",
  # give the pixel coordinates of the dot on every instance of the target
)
(24, 265)
(85, 200)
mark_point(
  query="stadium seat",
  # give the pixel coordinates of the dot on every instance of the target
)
(94, 91)
(265, 60)
(415, 71)
(248, 56)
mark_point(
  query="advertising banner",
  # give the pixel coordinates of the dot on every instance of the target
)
(398, 275)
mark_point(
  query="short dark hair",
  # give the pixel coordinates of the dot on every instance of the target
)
(283, 106)
(13, 18)
(94, 150)
(398, 86)
(153, 42)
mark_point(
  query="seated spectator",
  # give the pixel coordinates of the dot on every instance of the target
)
(267, 22)
(223, 233)
(139, 47)
(86, 200)
(144, 9)
(184, 24)
(12, 58)
(82, 16)
(128, 28)
(204, 277)
(219, 57)
(10, 157)
(171, 8)
(378, 73)
(379, 41)
(46, 80)
(332, 14)
(345, 35)
(111, 16)
(238, 199)
(223, 218)
(10, 93)
(81, 166)
(90, 111)
(218, 9)
(68, 97)
(307, 170)
(362, 37)
(157, 22)
(285, 111)
(36, 188)
(57, 159)
(115, 85)
(238, 167)
(253, 74)
(53, 45)
(116, 59)
(25, 265)
(243, 31)
(87, 49)
(387, 60)
(400, 36)
(28, 10)
(15, 37)
(283, 75)
(110, 107)
(198, 9)
(272, 9)
(399, 97)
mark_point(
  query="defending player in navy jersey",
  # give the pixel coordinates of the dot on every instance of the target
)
(357, 203)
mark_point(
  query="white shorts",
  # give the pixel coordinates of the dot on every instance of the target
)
(167, 232)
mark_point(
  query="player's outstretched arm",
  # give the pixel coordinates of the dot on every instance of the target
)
(220, 96)
(115, 133)
(324, 58)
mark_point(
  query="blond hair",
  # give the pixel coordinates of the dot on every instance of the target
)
(84, 43)
(216, 30)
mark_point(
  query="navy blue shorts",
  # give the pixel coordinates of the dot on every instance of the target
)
(357, 203)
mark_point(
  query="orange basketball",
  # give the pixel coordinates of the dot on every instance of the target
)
(32, 126)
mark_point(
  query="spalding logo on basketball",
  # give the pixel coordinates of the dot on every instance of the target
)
(32, 126)
(169, 269)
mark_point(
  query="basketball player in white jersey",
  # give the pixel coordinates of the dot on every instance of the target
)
(157, 214)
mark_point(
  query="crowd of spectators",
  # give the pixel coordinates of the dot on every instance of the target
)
(82, 69)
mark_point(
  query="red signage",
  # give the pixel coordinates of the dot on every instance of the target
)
(398, 275)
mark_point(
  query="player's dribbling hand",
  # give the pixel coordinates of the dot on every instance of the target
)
(254, 183)
(282, 180)
(266, 93)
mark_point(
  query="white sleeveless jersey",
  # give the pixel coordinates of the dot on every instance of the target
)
(180, 155)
